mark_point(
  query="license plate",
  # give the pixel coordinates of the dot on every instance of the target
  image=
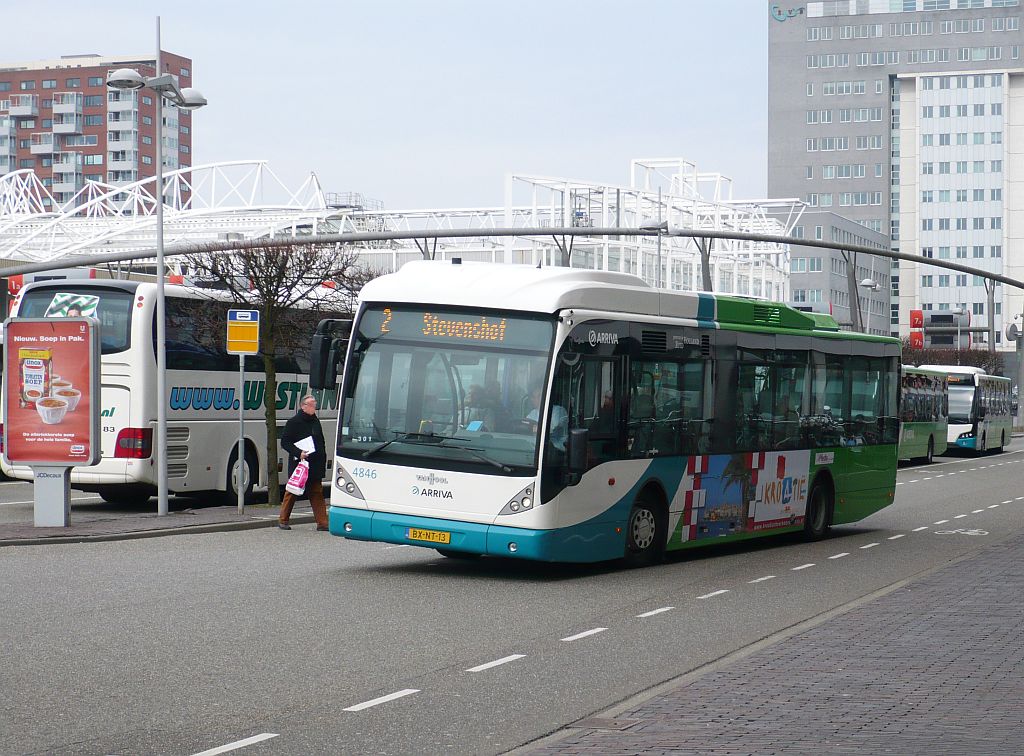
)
(434, 536)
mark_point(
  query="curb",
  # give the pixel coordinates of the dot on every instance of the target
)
(132, 535)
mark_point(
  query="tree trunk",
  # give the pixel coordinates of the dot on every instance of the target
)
(270, 416)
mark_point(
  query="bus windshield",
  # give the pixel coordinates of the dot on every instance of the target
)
(113, 310)
(456, 388)
(961, 400)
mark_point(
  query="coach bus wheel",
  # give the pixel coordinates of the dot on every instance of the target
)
(230, 496)
(819, 508)
(930, 456)
(1002, 442)
(981, 449)
(645, 532)
(450, 554)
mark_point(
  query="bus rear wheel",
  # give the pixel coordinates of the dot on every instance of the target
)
(930, 456)
(1002, 442)
(645, 532)
(817, 518)
(248, 470)
(127, 498)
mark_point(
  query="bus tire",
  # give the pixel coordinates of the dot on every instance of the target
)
(929, 457)
(984, 443)
(452, 554)
(230, 495)
(818, 517)
(1002, 442)
(645, 531)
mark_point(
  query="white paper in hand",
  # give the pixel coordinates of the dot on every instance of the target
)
(306, 445)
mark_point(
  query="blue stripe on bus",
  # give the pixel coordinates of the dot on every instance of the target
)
(705, 307)
(586, 542)
(601, 538)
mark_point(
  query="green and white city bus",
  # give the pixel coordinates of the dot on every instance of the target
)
(575, 415)
(924, 410)
(980, 408)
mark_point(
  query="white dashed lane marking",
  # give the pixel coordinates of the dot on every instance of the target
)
(651, 613)
(496, 663)
(714, 593)
(868, 546)
(840, 555)
(803, 566)
(959, 517)
(585, 634)
(238, 744)
(940, 522)
(761, 579)
(923, 527)
(893, 538)
(975, 511)
(382, 699)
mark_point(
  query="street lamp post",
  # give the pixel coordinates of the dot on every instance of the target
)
(871, 285)
(956, 314)
(166, 87)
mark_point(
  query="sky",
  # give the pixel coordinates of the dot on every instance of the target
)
(431, 104)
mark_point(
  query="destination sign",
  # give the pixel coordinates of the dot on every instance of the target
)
(961, 380)
(436, 324)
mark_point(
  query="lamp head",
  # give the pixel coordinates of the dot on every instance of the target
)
(191, 99)
(126, 78)
(654, 226)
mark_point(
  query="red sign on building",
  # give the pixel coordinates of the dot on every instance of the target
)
(917, 340)
(917, 318)
(51, 391)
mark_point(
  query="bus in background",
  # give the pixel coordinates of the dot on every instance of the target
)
(576, 415)
(980, 408)
(202, 383)
(924, 409)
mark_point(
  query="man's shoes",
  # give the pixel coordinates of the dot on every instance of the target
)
(284, 526)
(322, 527)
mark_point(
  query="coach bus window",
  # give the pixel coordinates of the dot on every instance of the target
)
(789, 379)
(753, 402)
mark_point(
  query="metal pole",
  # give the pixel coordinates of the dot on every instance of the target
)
(242, 467)
(658, 277)
(1020, 379)
(990, 289)
(161, 310)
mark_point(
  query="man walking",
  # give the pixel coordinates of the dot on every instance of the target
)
(305, 425)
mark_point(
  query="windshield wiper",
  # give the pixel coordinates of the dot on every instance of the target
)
(476, 453)
(431, 438)
(411, 436)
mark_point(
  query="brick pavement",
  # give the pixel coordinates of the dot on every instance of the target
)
(110, 525)
(934, 667)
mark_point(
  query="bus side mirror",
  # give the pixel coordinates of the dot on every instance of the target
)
(579, 439)
(330, 341)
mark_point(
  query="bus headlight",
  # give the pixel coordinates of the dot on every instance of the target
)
(519, 503)
(346, 484)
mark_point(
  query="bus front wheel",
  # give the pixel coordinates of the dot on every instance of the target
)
(452, 554)
(819, 511)
(645, 531)
(930, 456)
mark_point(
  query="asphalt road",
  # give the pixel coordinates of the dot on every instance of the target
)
(184, 644)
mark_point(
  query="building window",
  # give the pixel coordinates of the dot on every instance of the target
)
(147, 140)
(72, 83)
(184, 72)
(49, 83)
(996, 222)
(147, 100)
(94, 160)
(147, 160)
(95, 81)
(26, 85)
(92, 101)
(93, 120)
(996, 250)
(147, 121)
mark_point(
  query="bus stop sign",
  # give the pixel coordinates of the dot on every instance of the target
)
(243, 331)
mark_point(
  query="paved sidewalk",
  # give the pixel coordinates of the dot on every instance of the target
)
(116, 526)
(935, 666)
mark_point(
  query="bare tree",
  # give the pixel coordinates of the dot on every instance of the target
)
(319, 281)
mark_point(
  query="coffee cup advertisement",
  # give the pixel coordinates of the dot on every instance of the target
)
(49, 401)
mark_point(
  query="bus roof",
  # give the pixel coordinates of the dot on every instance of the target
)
(923, 370)
(553, 289)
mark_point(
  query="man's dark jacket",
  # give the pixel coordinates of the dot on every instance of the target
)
(298, 428)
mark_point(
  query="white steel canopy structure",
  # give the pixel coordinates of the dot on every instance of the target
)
(245, 200)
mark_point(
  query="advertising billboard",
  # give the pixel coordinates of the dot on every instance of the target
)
(51, 390)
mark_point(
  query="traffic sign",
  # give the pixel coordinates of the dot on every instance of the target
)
(243, 331)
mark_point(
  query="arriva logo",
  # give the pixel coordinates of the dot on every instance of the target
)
(596, 337)
(781, 15)
(432, 493)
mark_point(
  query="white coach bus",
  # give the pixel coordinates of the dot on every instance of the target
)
(202, 387)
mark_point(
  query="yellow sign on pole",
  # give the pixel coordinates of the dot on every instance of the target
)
(243, 331)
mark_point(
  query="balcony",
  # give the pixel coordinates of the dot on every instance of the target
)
(68, 183)
(122, 140)
(43, 143)
(123, 160)
(121, 101)
(123, 119)
(23, 105)
(67, 102)
(120, 178)
(67, 123)
(67, 162)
